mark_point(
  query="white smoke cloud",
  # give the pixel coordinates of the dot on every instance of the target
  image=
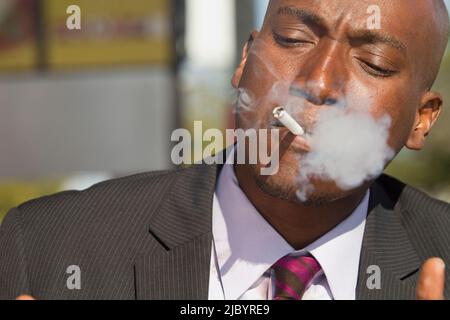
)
(348, 147)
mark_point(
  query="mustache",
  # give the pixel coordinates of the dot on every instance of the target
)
(312, 97)
(301, 105)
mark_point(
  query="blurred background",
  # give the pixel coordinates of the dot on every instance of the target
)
(81, 106)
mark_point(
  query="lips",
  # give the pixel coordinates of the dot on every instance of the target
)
(299, 144)
(276, 124)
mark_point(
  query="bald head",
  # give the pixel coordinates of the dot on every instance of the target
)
(443, 19)
(442, 33)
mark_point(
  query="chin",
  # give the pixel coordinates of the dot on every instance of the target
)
(285, 185)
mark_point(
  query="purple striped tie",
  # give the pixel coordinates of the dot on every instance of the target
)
(293, 275)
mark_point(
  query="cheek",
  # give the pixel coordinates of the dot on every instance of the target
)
(402, 123)
(402, 117)
(385, 100)
(262, 82)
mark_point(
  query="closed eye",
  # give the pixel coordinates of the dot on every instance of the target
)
(375, 70)
(289, 42)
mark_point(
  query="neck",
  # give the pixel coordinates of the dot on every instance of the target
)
(300, 225)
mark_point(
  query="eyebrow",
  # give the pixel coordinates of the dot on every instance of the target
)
(305, 16)
(366, 36)
(375, 37)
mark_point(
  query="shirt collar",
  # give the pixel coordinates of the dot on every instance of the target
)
(246, 245)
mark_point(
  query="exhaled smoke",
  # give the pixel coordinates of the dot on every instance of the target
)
(244, 101)
(348, 147)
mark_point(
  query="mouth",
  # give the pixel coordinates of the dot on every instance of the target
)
(276, 124)
(292, 132)
(289, 141)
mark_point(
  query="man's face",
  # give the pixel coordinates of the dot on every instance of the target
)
(325, 54)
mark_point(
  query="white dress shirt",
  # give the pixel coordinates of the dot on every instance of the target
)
(245, 246)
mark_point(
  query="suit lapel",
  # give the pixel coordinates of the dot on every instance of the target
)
(386, 245)
(181, 273)
(179, 267)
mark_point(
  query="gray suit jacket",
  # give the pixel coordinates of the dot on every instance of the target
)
(149, 236)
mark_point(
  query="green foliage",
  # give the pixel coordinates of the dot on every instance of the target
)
(16, 192)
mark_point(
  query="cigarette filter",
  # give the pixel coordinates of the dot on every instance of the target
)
(288, 121)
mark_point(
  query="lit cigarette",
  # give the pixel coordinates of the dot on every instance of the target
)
(287, 121)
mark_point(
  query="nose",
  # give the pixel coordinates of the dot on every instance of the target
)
(322, 76)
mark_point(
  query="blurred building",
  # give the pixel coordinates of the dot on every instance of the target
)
(96, 99)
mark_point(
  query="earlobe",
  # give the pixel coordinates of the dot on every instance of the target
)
(426, 117)
(236, 79)
(416, 139)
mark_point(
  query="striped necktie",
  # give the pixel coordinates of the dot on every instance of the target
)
(293, 275)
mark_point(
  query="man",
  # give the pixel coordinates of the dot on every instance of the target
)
(227, 232)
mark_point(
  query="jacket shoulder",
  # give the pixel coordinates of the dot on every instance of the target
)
(104, 225)
(426, 218)
(110, 207)
(413, 200)
(102, 200)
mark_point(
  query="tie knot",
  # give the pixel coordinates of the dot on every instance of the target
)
(293, 275)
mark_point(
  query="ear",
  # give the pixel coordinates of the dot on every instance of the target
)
(236, 79)
(426, 116)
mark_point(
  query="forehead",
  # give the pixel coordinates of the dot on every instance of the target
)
(410, 21)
